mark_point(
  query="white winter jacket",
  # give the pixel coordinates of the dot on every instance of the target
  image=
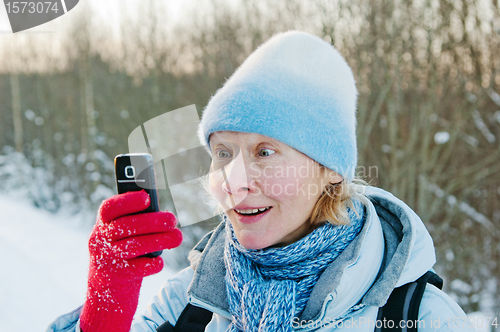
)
(392, 249)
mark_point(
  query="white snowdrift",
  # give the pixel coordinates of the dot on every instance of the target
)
(43, 260)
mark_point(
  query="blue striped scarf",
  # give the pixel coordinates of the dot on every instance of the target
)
(267, 288)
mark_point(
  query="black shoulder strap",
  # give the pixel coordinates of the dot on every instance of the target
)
(400, 313)
(192, 319)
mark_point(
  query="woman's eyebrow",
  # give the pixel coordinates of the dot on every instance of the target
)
(267, 142)
(226, 145)
(214, 140)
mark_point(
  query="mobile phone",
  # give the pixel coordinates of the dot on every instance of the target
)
(135, 172)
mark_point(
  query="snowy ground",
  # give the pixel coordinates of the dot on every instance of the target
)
(43, 261)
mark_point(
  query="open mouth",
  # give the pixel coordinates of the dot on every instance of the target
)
(253, 212)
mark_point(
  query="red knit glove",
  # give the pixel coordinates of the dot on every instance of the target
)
(116, 270)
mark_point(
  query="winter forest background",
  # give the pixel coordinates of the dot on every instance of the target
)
(428, 74)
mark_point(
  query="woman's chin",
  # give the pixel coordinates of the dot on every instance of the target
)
(253, 242)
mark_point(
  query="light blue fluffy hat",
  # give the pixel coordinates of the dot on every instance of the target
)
(295, 88)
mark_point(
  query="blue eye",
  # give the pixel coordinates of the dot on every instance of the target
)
(266, 152)
(222, 154)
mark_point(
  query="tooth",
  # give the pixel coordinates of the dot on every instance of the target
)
(250, 211)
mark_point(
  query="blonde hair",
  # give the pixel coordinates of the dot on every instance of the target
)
(336, 198)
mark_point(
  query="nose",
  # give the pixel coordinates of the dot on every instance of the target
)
(236, 180)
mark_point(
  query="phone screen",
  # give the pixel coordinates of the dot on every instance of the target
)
(135, 172)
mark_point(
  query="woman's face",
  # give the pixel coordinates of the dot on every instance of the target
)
(252, 171)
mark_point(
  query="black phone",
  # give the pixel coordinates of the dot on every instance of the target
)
(135, 172)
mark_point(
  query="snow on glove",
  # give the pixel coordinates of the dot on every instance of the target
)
(116, 269)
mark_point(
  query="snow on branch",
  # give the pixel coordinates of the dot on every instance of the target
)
(494, 96)
(462, 206)
(482, 126)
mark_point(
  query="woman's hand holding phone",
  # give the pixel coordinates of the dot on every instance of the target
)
(117, 246)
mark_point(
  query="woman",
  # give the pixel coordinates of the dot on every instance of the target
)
(300, 245)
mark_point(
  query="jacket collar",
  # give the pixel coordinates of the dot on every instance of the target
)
(388, 261)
